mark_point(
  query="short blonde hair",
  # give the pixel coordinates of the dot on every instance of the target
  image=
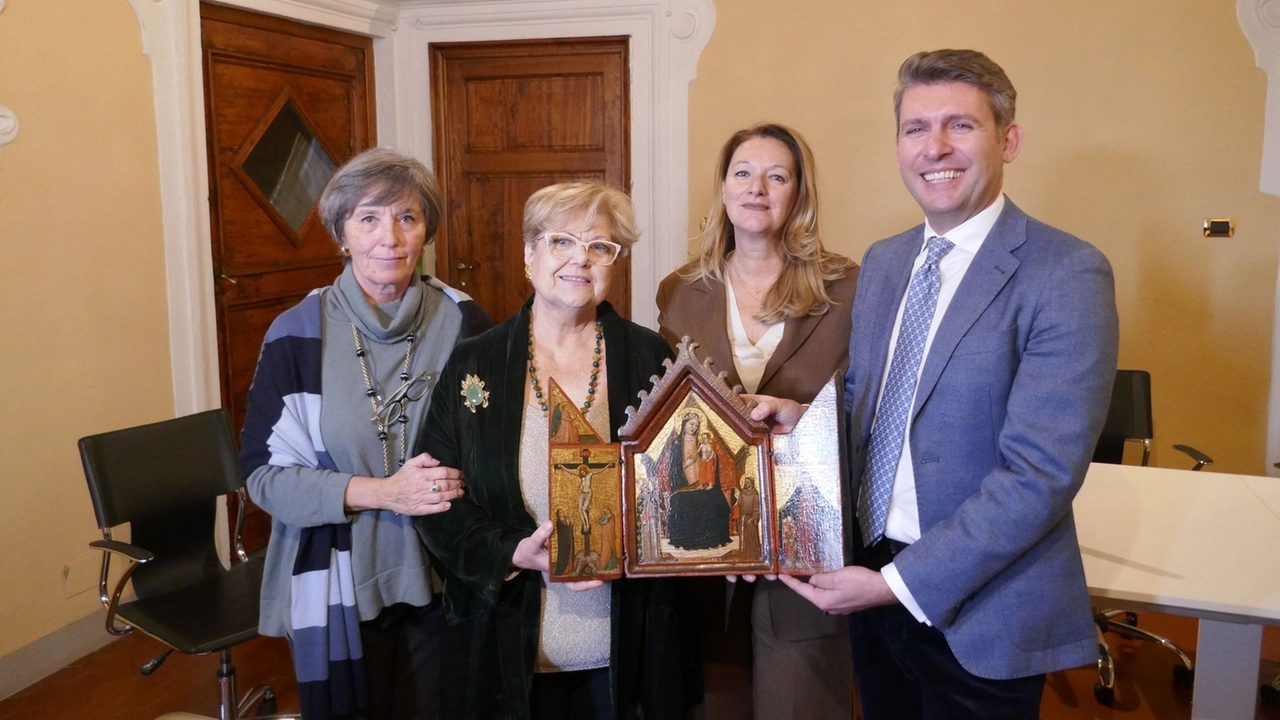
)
(807, 266)
(589, 198)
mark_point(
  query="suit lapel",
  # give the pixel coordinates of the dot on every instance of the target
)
(794, 334)
(884, 298)
(714, 341)
(987, 275)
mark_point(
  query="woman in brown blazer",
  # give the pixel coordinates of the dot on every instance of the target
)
(771, 307)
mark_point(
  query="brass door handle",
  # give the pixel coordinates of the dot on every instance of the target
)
(462, 265)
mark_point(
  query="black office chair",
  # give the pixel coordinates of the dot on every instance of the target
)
(1129, 420)
(166, 480)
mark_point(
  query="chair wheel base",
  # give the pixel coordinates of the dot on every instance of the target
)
(1104, 695)
(1183, 676)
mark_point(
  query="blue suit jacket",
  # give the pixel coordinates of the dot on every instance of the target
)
(1012, 396)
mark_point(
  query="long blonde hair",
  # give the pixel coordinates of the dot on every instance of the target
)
(806, 266)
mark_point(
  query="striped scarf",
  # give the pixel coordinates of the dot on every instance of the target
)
(328, 657)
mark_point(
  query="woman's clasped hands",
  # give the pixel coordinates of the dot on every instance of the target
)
(422, 486)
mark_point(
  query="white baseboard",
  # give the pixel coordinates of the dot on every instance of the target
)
(30, 664)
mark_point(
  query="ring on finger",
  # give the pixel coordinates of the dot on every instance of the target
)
(435, 488)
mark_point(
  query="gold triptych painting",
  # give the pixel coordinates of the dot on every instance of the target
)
(695, 487)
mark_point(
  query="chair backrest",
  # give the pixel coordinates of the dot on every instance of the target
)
(1128, 418)
(165, 479)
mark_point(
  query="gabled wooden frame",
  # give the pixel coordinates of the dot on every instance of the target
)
(688, 382)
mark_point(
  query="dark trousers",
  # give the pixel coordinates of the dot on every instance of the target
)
(402, 655)
(576, 695)
(906, 670)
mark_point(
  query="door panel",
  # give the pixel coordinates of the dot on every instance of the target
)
(286, 104)
(510, 118)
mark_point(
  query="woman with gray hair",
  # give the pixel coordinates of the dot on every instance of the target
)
(520, 646)
(341, 386)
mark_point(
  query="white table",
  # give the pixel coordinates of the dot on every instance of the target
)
(1201, 544)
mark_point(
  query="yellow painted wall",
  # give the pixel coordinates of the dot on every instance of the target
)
(1141, 119)
(83, 315)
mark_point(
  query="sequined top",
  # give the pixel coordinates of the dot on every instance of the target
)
(574, 632)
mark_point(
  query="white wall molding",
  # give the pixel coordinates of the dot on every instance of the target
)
(667, 37)
(1260, 21)
(365, 17)
(171, 40)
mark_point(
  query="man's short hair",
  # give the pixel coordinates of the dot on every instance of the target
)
(932, 67)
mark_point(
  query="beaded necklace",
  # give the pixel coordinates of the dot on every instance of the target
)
(376, 400)
(595, 371)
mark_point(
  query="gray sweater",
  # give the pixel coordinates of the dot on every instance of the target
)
(389, 563)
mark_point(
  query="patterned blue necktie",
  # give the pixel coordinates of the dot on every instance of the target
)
(885, 448)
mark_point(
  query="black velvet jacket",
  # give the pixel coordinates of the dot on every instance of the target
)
(490, 640)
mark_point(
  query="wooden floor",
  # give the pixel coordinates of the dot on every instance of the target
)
(107, 686)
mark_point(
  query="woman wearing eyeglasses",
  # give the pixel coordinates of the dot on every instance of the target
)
(339, 395)
(518, 645)
(771, 307)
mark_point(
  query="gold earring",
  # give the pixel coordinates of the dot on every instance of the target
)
(528, 271)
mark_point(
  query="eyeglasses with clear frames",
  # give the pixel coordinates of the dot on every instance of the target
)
(564, 245)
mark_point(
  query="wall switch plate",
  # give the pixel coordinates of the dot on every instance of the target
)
(1219, 227)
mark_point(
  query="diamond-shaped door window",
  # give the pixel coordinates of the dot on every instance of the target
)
(289, 166)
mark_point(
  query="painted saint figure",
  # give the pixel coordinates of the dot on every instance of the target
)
(608, 553)
(564, 543)
(749, 519)
(650, 511)
(698, 518)
(562, 430)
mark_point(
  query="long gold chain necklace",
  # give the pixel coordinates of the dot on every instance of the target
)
(595, 371)
(375, 400)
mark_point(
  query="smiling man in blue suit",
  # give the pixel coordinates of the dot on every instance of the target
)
(983, 352)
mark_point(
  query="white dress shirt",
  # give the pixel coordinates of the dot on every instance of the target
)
(903, 521)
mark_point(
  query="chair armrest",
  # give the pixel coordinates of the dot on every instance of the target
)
(1200, 458)
(133, 552)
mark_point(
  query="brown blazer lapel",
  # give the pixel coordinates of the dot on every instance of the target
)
(709, 298)
(794, 334)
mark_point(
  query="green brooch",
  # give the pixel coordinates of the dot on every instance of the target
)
(473, 393)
